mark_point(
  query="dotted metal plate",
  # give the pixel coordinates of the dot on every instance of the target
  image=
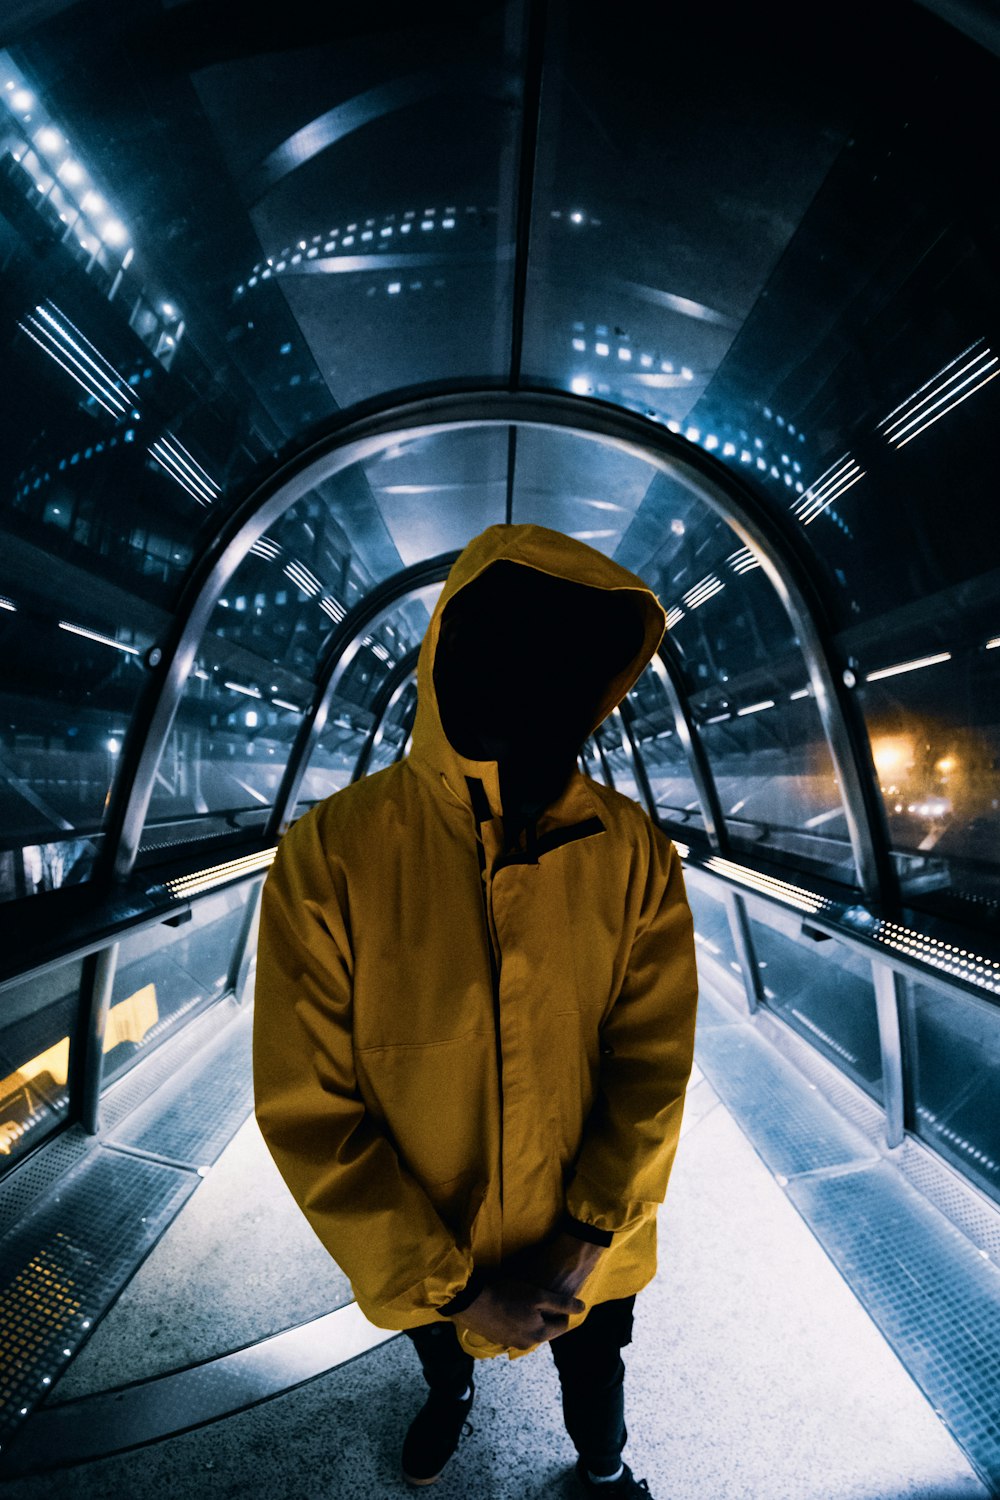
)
(934, 1296)
(191, 1119)
(31, 1180)
(802, 1135)
(65, 1262)
(845, 1095)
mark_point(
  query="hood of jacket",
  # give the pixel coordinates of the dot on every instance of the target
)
(577, 628)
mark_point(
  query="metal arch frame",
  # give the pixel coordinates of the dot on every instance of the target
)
(358, 436)
(340, 652)
(385, 700)
(671, 676)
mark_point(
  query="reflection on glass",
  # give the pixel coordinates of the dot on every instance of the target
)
(667, 767)
(712, 932)
(825, 992)
(164, 973)
(39, 1016)
(393, 733)
(956, 1047)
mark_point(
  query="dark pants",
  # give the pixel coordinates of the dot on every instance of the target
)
(591, 1373)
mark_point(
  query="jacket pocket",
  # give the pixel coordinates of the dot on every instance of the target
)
(433, 1102)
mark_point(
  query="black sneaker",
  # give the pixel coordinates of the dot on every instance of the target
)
(434, 1434)
(626, 1485)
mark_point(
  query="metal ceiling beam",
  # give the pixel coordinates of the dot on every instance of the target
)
(356, 436)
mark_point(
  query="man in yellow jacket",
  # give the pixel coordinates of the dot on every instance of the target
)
(475, 1004)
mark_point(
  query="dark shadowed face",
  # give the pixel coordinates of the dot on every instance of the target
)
(523, 661)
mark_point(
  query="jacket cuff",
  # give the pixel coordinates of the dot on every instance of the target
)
(466, 1296)
(582, 1231)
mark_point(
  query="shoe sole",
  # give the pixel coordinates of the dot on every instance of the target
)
(433, 1480)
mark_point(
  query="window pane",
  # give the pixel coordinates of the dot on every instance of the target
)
(712, 932)
(39, 1017)
(662, 753)
(164, 973)
(956, 1080)
(394, 730)
(825, 991)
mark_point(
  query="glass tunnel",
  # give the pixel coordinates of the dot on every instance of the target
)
(291, 308)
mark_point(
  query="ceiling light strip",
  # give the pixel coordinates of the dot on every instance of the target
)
(95, 635)
(930, 422)
(940, 393)
(828, 480)
(191, 466)
(167, 463)
(264, 547)
(105, 371)
(928, 383)
(908, 666)
(47, 348)
(829, 499)
(250, 692)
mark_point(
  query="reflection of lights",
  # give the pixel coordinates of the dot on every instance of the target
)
(92, 203)
(946, 764)
(204, 880)
(993, 644)
(682, 849)
(95, 635)
(22, 99)
(677, 527)
(908, 666)
(703, 591)
(601, 349)
(185, 470)
(577, 218)
(114, 232)
(302, 578)
(293, 708)
(674, 616)
(169, 310)
(264, 547)
(755, 708)
(250, 718)
(795, 895)
(49, 139)
(917, 415)
(71, 171)
(333, 609)
(933, 807)
(80, 359)
(238, 687)
(719, 719)
(836, 480)
(580, 385)
(892, 753)
(743, 561)
(8, 604)
(114, 745)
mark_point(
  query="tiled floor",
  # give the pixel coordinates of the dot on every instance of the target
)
(754, 1374)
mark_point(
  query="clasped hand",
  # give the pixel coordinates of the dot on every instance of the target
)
(532, 1297)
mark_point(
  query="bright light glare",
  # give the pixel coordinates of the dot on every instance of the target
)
(71, 171)
(22, 99)
(250, 718)
(580, 385)
(49, 139)
(755, 708)
(94, 635)
(113, 745)
(577, 218)
(114, 232)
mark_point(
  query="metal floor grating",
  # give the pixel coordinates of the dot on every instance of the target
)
(62, 1266)
(934, 1296)
(27, 1183)
(805, 1134)
(191, 1119)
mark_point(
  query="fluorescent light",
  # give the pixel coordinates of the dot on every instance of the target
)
(755, 708)
(9, 604)
(919, 411)
(95, 635)
(767, 885)
(802, 693)
(719, 719)
(89, 370)
(302, 578)
(333, 609)
(238, 687)
(674, 616)
(835, 481)
(908, 666)
(172, 456)
(580, 385)
(703, 591)
(264, 547)
(990, 645)
(743, 560)
(203, 880)
(293, 708)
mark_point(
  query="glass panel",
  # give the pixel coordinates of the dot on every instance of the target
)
(394, 730)
(936, 744)
(747, 684)
(712, 932)
(618, 754)
(164, 973)
(38, 1019)
(825, 991)
(663, 756)
(956, 1080)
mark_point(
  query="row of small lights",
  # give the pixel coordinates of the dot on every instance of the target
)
(947, 957)
(960, 1141)
(205, 880)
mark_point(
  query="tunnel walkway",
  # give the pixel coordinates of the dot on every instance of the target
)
(755, 1373)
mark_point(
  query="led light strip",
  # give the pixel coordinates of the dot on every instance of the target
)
(755, 708)
(839, 478)
(9, 604)
(795, 895)
(908, 666)
(302, 578)
(683, 850)
(203, 880)
(90, 369)
(95, 635)
(238, 687)
(972, 967)
(920, 412)
(703, 591)
(182, 467)
(743, 561)
(264, 547)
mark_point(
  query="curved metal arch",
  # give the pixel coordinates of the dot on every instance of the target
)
(358, 436)
(385, 700)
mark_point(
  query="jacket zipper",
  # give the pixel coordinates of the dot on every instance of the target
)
(482, 812)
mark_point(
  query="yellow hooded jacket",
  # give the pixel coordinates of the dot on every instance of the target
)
(429, 1111)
